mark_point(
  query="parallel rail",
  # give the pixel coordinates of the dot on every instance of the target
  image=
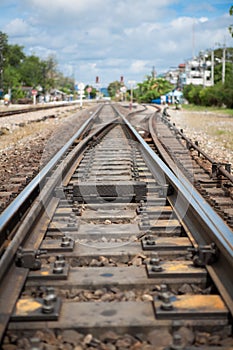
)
(10, 111)
(198, 214)
(114, 182)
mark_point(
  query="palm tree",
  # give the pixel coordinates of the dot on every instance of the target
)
(152, 88)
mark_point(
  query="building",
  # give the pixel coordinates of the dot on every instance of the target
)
(196, 71)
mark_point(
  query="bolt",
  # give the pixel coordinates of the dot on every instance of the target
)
(48, 305)
(163, 289)
(35, 344)
(150, 241)
(163, 296)
(155, 261)
(166, 304)
(59, 264)
(145, 222)
(77, 211)
(177, 342)
(61, 259)
(57, 268)
(65, 241)
(50, 291)
(148, 237)
(139, 210)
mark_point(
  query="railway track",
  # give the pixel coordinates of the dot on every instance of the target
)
(116, 252)
(32, 108)
(22, 159)
(211, 178)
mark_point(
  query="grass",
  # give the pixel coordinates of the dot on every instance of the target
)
(223, 136)
(217, 110)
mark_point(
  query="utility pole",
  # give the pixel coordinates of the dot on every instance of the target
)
(212, 68)
(223, 63)
(1, 63)
(131, 83)
(153, 73)
(193, 38)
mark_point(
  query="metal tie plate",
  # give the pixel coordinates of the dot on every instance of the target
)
(191, 307)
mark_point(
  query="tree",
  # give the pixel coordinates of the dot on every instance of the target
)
(231, 26)
(152, 88)
(93, 92)
(3, 46)
(17, 69)
(64, 84)
(31, 71)
(14, 55)
(114, 88)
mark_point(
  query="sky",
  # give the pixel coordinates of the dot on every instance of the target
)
(114, 38)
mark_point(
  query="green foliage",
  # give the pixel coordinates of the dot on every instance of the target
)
(217, 95)
(14, 55)
(20, 70)
(30, 70)
(231, 26)
(152, 88)
(114, 88)
(192, 93)
(12, 76)
(93, 92)
(211, 96)
(227, 94)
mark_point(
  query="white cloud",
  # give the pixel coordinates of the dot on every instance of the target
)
(17, 27)
(111, 38)
(138, 66)
(203, 19)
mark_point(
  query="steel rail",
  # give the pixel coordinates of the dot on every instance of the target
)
(165, 156)
(204, 223)
(13, 211)
(10, 112)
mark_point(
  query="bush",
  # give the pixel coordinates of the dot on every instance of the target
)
(217, 95)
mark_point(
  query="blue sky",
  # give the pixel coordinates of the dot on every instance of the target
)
(113, 38)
